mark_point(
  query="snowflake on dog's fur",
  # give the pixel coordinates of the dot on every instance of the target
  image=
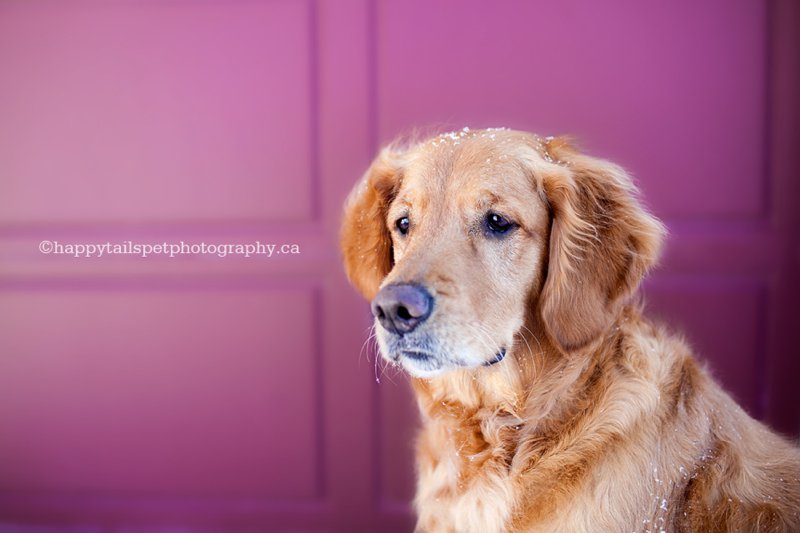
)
(541, 144)
(456, 136)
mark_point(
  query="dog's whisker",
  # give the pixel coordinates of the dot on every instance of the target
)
(384, 367)
(483, 337)
(533, 356)
(371, 334)
(377, 377)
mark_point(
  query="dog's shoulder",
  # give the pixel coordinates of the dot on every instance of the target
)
(717, 468)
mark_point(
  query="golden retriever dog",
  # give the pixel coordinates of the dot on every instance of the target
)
(502, 270)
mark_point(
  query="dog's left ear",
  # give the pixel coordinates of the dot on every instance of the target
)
(365, 240)
(602, 243)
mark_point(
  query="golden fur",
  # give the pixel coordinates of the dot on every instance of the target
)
(596, 420)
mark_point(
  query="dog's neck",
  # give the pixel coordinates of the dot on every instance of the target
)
(537, 386)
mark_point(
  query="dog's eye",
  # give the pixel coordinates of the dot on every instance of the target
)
(498, 224)
(402, 225)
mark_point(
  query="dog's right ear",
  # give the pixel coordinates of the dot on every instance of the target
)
(365, 240)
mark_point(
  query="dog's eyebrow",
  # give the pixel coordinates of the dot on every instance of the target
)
(401, 202)
(491, 200)
(486, 198)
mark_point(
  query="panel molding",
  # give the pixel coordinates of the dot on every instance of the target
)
(105, 506)
(11, 229)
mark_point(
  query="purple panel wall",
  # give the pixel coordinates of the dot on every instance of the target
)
(208, 393)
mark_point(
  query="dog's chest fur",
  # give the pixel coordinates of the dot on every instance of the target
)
(630, 445)
(460, 488)
(460, 491)
(465, 492)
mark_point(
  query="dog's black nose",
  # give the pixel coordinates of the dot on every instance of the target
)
(402, 307)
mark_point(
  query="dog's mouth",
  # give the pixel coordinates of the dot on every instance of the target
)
(499, 356)
(416, 355)
(426, 364)
(420, 364)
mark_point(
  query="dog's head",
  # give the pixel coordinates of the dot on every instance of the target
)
(457, 240)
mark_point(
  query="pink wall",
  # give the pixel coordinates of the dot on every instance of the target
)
(200, 393)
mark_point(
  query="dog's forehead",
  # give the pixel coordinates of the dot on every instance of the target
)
(483, 161)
